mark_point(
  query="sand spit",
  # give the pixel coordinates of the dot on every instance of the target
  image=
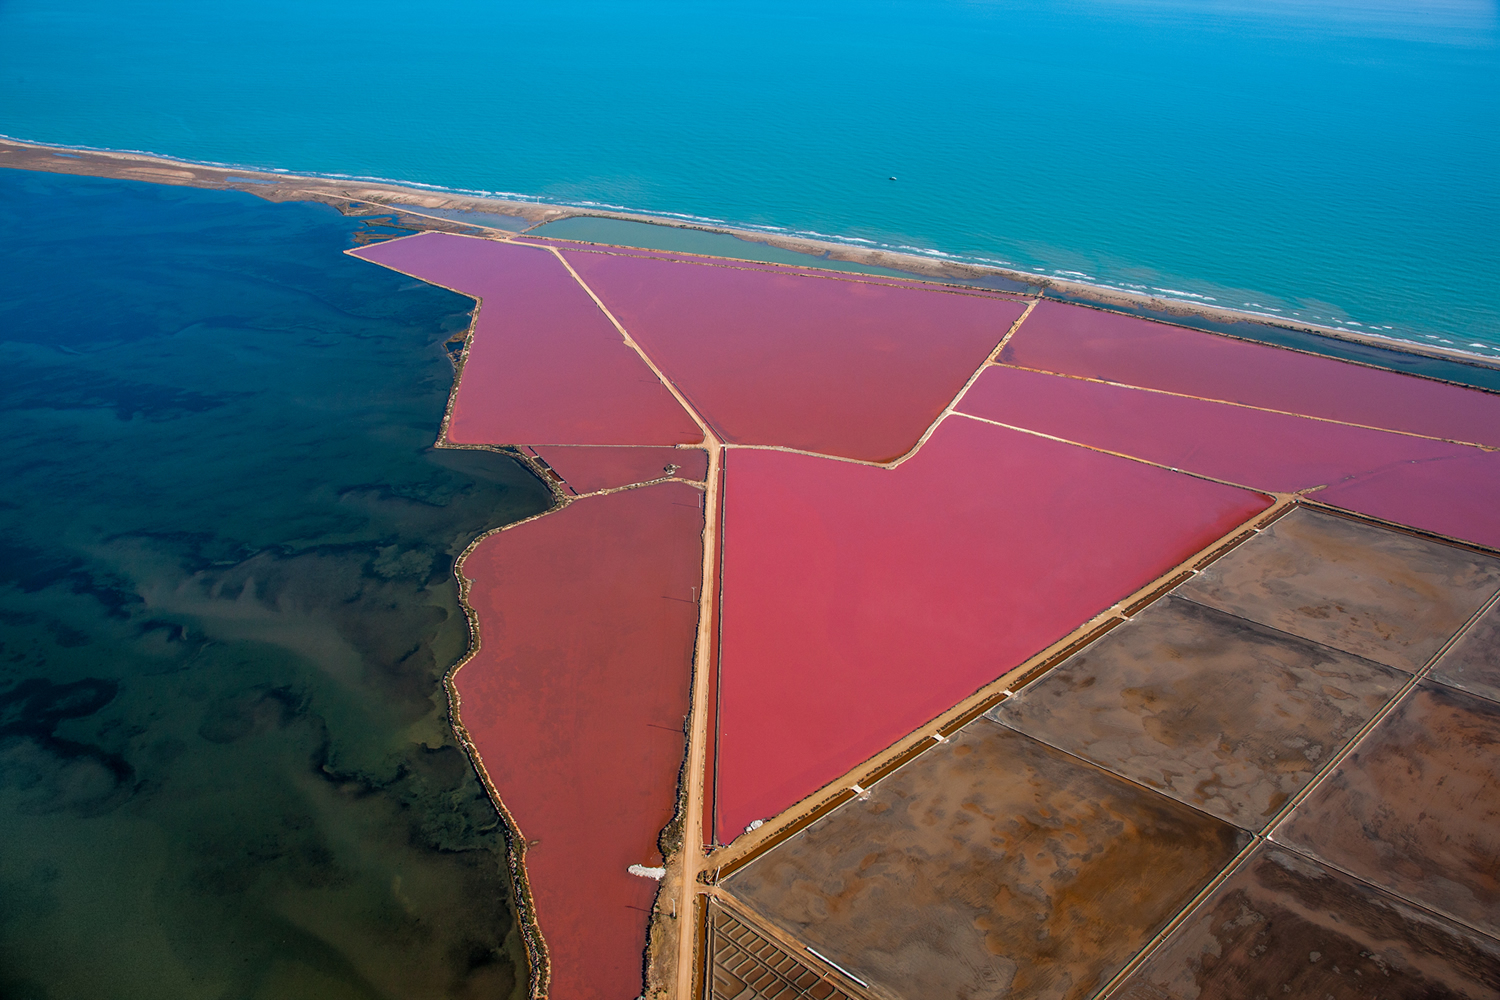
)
(412, 204)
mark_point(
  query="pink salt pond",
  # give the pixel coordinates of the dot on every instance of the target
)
(832, 364)
(869, 576)
(545, 365)
(575, 703)
(1261, 449)
(861, 602)
(1074, 340)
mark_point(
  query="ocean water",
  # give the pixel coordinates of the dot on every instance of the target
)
(1336, 161)
(226, 607)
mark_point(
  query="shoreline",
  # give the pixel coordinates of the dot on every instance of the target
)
(411, 200)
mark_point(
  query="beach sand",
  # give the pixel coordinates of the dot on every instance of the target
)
(431, 209)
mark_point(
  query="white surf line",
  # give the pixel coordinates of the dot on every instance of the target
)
(690, 857)
(1259, 409)
(770, 235)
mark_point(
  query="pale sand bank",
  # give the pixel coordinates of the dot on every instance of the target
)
(433, 209)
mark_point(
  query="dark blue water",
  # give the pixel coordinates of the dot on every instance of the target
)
(1334, 161)
(226, 608)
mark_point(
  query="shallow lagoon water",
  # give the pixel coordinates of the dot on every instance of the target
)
(1332, 160)
(592, 229)
(226, 607)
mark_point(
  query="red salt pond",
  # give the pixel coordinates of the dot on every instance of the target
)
(860, 602)
(545, 366)
(1457, 496)
(775, 356)
(1433, 485)
(576, 702)
(1266, 451)
(857, 603)
(1075, 340)
(811, 269)
(588, 469)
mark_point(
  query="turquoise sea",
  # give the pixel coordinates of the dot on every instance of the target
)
(227, 598)
(1333, 160)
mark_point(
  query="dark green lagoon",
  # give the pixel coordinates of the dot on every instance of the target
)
(226, 609)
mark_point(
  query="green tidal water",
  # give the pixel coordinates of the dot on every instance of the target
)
(226, 608)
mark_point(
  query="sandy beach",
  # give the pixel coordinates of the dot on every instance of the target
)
(417, 207)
